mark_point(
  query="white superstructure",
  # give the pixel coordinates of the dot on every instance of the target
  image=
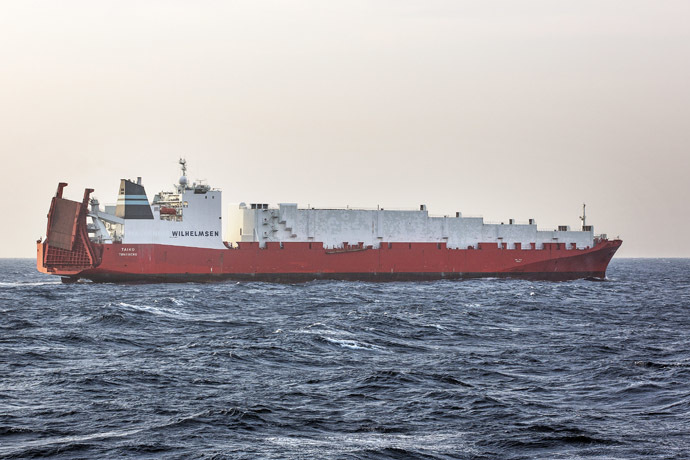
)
(190, 216)
(334, 227)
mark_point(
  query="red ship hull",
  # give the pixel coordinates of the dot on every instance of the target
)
(309, 261)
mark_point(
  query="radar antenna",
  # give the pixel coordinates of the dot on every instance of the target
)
(583, 217)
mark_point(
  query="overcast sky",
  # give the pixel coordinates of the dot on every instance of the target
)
(505, 109)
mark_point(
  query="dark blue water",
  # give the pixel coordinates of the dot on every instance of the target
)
(435, 370)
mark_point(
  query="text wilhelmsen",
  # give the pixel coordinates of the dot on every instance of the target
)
(176, 233)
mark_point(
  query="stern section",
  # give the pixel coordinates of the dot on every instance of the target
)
(67, 249)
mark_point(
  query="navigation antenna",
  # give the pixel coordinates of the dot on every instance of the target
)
(583, 217)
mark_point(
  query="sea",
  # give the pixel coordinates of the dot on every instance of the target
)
(474, 369)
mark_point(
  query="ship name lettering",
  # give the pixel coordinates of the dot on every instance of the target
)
(176, 233)
(128, 252)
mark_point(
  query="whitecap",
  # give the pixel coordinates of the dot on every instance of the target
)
(437, 442)
(351, 344)
(37, 283)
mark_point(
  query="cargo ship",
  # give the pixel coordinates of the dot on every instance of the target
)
(178, 236)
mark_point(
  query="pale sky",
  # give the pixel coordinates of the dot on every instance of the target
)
(505, 109)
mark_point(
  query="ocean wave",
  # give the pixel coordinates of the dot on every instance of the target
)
(351, 344)
(403, 445)
(61, 444)
(161, 311)
(655, 365)
(28, 283)
(434, 370)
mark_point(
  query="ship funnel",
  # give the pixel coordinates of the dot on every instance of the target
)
(132, 202)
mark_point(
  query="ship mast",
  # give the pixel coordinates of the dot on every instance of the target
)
(183, 165)
(583, 217)
(183, 179)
